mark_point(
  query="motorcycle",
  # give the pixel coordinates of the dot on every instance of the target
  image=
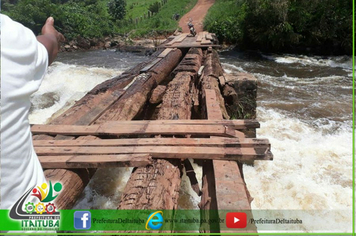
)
(191, 29)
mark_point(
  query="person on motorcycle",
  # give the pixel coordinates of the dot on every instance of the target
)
(191, 27)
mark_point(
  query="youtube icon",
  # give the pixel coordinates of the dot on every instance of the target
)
(236, 220)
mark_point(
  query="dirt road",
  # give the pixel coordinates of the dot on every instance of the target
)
(197, 14)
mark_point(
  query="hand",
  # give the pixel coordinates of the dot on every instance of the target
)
(51, 39)
(48, 28)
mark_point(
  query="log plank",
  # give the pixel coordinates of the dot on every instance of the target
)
(177, 39)
(157, 186)
(170, 152)
(165, 52)
(94, 161)
(118, 129)
(205, 142)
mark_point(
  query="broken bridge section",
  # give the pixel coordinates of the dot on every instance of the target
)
(158, 117)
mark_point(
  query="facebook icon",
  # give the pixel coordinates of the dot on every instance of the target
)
(82, 220)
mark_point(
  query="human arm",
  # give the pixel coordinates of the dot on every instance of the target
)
(51, 39)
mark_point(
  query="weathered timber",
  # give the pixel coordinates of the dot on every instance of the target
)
(210, 80)
(147, 129)
(202, 142)
(191, 62)
(95, 161)
(133, 101)
(201, 40)
(75, 180)
(229, 190)
(209, 36)
(165, 52)
(96, 101)
(177, 39)
(169, 152)
(235, 124)
(200, 36)
(149, 66)
(208, 201)
(157, 94)
(142, 190)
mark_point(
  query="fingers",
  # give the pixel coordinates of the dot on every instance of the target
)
(50, 21)
(48, 28)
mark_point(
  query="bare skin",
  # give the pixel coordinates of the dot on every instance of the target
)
(51, 39)
(197, 14)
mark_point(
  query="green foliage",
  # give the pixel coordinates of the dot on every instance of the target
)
(224, 19)
(323, 26)
(87, 18)
(154, 7)
(117, 9)
(33, 14)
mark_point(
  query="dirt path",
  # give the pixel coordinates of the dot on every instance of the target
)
(197, 14)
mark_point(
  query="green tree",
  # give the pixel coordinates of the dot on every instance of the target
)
(117, 9)
(33, 13)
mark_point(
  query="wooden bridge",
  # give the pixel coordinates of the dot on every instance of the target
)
(159, 116)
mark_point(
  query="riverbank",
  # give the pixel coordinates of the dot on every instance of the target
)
(117, 42)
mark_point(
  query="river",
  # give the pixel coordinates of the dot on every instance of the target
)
(305, 110)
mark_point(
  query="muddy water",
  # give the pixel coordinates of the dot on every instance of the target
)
(305, 110)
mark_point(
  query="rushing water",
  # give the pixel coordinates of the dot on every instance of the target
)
(305, 110)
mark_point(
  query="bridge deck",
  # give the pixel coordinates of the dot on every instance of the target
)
(201, 40)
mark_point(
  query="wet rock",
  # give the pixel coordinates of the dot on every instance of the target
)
(44, 101)
(83, 43)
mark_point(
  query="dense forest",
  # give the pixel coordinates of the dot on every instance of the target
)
(87, 18)
(302, 26)
(297, 26)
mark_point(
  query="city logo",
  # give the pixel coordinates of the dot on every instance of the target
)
(236, 220)
(82, 220)
(36, 209)
(154, 220)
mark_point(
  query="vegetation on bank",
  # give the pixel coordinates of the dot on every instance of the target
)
(318, 26)
(296, 26)
(99, 18)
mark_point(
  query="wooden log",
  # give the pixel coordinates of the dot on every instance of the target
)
(149, 66)
(191, 62)
(95, 161)
(75, 180)
(133, 101)
(210, 80)
(163, 68)
(157, 94)
(157, 186)
(98, 99)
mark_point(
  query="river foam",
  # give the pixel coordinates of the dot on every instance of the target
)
(65, 84)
